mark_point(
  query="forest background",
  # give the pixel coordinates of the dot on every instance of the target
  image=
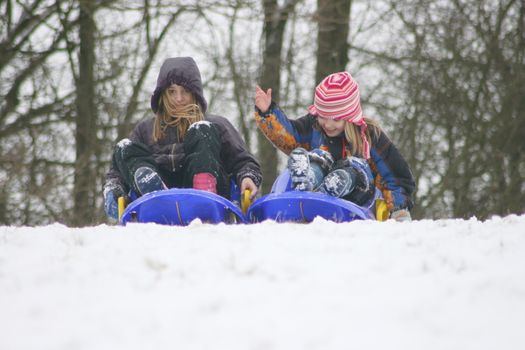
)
(445, 78)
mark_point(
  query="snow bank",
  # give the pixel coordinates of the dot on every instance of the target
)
(448, 284)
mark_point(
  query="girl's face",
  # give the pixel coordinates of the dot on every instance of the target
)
(180, 95)
(331, 127)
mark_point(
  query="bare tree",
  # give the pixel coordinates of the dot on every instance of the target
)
(275, 19)
(461, 120)
(34, 105)
(239, 66)
(333, 21)
(86, 116)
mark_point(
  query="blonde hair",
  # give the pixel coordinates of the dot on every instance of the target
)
(353, 135)
(170, 115)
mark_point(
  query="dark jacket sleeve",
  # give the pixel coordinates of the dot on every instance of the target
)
(236, 158)
(392, 173)
(113, 179)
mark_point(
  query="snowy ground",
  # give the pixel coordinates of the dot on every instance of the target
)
(449, 284)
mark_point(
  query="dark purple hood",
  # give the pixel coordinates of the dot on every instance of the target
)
(181, 71)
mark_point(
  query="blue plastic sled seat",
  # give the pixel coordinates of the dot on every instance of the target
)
(286, 205)
(178, 206)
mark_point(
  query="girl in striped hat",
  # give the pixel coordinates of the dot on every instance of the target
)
(335, 150)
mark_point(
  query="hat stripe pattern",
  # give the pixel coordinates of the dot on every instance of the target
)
(337, 97)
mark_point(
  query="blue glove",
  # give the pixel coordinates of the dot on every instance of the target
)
(112, 192)
(111, 205)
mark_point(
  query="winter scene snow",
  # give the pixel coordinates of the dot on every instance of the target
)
(444, 284)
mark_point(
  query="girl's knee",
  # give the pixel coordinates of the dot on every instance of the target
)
(121, 146)
(200, 136)
(202, 127)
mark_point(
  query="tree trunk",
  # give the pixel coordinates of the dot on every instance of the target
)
(275, 19)
(333, 18)
(85, 135)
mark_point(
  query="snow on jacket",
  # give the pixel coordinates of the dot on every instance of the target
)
(392, 174)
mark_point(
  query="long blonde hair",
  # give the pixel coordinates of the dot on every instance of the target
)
(170, 115)
(353, 135)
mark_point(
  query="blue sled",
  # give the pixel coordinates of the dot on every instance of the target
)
(180, 206)
(286, 205)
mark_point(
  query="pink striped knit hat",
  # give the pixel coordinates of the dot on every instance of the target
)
(337, 97)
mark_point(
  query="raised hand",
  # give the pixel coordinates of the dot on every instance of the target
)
(262, 99)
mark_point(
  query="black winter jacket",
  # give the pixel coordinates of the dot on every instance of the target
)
(168, 152)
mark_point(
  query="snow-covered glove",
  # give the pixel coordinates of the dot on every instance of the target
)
(112, 192)
(111, 205)
(323, 158)
(401, 215)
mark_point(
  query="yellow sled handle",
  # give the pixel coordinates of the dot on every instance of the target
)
(381, 210)
(121, 207)
(246, 201)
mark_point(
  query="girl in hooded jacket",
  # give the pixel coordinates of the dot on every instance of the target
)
(335, 150)
(181, 145)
